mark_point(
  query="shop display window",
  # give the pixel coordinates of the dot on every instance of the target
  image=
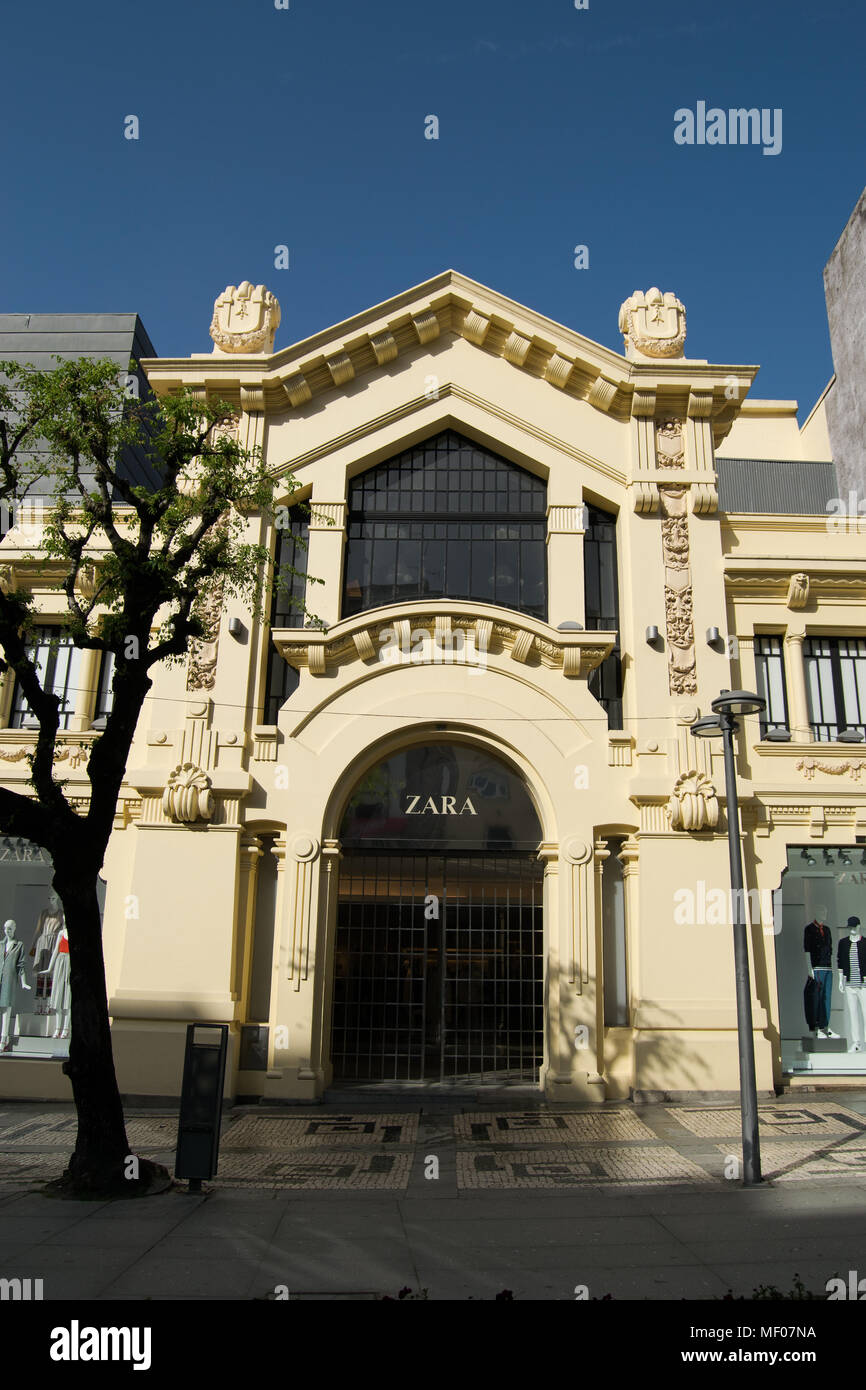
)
(821, 960)
(34, 955)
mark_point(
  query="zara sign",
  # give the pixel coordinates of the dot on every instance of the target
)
(447, 807)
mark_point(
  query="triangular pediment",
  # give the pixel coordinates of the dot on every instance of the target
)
(452, 306)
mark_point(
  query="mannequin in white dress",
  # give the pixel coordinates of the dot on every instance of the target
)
(11, 976)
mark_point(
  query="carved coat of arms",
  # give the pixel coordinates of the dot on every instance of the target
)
(653, 325)
(245, 319)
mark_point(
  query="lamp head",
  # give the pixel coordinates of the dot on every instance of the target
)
(738, 702)
(707, 726)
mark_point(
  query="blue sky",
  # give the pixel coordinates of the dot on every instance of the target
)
(305, 127)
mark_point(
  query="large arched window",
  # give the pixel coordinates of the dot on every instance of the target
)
(446, 519)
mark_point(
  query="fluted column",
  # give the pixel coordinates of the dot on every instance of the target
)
(795, 675)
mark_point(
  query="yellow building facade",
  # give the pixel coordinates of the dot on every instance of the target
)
(457, 831)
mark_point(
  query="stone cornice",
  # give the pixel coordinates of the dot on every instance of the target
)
(453, 304)
(494, 631)
(753, 579)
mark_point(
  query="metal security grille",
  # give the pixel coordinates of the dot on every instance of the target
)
(438, 971)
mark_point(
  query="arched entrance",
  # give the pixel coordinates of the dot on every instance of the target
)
(438, 961)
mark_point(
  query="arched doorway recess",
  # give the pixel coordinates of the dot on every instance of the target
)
(438, 960)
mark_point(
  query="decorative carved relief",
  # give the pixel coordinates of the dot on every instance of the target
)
(675, 542)
(516, 348)
(798, 591)
(558, 370)
(297, 389)
(245, 319)
(693, 804)
(653, 325)
(670, 445)
(74, 755)
(384, 346)
(809, 766)
(475, 327)
(341, 368)
(426, 326)
(576, 654)
(679, 625)
(602, 393)
(203, 651)
(188, 796)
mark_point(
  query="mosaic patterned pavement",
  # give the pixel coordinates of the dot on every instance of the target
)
(801, 1120)
(579, 1167)
(320, 1131)
(805, 1162)
(520, 1127)
(335, 1168)
(477, 1149)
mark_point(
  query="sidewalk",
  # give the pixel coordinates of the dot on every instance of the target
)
(453, 1195)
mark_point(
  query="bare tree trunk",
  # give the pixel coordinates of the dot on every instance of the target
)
(100, 1165)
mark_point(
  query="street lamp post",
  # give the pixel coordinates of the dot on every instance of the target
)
(723, 724)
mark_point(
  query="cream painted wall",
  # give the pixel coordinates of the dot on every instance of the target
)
(592, 439)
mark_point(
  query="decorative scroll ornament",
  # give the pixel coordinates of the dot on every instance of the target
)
(693, 804)
(653, 325)
(203, 651)
(245, 319)
(188, 796)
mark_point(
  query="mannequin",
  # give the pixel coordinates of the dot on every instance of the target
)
(11, 975)
(50, 920)
(58, 967)
(851, 959)
(818, 945)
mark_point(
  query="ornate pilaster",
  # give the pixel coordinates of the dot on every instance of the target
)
(203, 651)
(629, 857)
(679, 625)
(250, 853)
(576, 855)
(304, 853)
(324, 558)
(275, 1061)
(565, 532)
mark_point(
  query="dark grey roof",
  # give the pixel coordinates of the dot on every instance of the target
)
(776, 485)
(37, 338)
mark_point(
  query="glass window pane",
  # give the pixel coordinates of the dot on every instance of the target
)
(444, 491)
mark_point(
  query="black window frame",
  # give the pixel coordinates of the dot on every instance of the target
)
(448, 511)
(827, 730)
(46, 635)
(601, 606)
(764, 654)
(287, 606)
